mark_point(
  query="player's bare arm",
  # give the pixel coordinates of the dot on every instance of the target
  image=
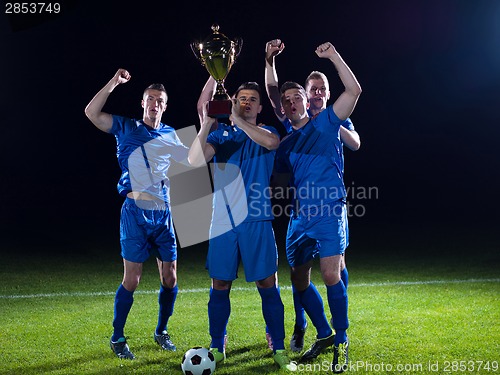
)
(93, 111)
(205, 96)
(346, 102)
(273, 49)
(350, 138)
(200, 151)
(258, 134)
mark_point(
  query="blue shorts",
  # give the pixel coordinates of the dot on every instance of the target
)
(319, 231)
(146, 230)
(253, 243)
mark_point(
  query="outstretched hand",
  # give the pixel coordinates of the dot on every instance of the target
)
(326, 50)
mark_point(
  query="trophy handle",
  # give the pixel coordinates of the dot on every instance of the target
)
(238, 45)
(195, 47)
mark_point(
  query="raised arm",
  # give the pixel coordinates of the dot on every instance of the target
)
(103, 120)
(206, 94)
(200, 151)
(273, 49)
(345, 103)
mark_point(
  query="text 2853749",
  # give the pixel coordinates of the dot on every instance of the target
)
(32, 8)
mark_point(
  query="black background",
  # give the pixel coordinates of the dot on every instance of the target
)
(428, 116)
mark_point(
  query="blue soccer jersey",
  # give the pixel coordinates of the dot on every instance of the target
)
(347, 123)
(242, 172)
(144, 156)
(313, 155)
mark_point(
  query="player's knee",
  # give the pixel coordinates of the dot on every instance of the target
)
(300, 280)
(131, 283)
(169, 280)
(221, 284)
(268, 282)
(330, 277)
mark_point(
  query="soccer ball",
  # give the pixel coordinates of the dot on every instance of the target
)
(198, 361)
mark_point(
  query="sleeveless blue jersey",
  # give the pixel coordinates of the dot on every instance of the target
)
(144, 156)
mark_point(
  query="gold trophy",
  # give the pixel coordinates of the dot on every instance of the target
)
(217, 53)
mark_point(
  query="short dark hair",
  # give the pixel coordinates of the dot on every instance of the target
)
(291, 85)
(156, 86)
(249, 86)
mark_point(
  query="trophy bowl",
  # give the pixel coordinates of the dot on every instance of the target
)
(217, 53)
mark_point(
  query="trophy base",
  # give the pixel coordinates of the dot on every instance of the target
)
(219, 108)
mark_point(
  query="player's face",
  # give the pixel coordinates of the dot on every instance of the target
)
(249, 104)
(154, 104)
(294, 104)
(317, 93)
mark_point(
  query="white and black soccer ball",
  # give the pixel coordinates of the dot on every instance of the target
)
(198, 361)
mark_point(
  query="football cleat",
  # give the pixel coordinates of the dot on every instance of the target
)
(281, 359)
(219, 356)
(121, 349)
(316, 348)
(340, 357)
(163, 339)
(297, 340)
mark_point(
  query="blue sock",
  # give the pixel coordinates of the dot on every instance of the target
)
(123, 302)
(166, 300)
(267, 328)
(274, 315)
(300, 314)
(313, 304)
(219, 309)
(337, 299)
(344, 276)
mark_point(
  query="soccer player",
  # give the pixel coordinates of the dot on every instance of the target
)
(318, 93)
(144, 149)
(241, 229)
(311, 156)
(317, 88)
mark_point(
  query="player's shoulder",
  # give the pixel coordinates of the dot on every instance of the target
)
(122, 119)
(166, 128)
(327, 115)
(123, 125)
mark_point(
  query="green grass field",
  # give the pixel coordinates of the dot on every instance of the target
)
(431, 311)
